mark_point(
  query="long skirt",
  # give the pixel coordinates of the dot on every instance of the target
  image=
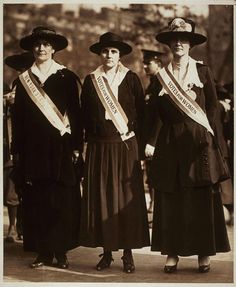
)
(189, 222)
(51, 217)
(114, 214)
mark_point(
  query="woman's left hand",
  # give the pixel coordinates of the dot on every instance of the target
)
(149, 150)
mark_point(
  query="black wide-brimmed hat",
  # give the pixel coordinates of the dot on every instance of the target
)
(20, 61)
(149, 55)
(111, 40)
(181, 27)
(58, 41)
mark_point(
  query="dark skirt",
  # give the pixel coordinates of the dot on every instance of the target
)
(51, 217)
(189, 222)
(114, 214)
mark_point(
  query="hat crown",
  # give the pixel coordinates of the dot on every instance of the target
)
(40, 30)
(110, 37)
(181, 25)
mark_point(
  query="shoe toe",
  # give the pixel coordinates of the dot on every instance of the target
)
(204, 268)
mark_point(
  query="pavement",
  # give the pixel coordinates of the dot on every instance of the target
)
(149, 267)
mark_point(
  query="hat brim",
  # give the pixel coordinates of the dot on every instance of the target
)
(121, 46)
(58, 42)
(194, 38)
(19, 62)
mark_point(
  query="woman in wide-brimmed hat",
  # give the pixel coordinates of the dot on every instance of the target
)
(46, 131)
(187, 163)
(114, 213)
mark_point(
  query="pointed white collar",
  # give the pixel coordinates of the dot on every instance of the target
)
(52, 70)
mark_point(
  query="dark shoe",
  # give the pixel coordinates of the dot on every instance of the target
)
(105, 262)
(204, 264)
(171, 268)
(128, 263)
(62, 261)
(41, 261)
(204, 268)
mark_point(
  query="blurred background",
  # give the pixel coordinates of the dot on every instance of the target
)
(136, 23)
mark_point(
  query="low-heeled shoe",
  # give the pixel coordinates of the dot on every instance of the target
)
(63, 264)
(40, 262)
(128, 263)
(105, 261)
(204, 268)
(170, 269)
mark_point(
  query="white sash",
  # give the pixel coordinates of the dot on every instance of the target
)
(182, 100)
(44, 103)
(111, 105)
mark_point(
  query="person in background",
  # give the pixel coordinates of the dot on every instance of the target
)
(188, 216)
(114, 214)
(152, 62)
(18, 62)
(47, 132)
(10, 197)
(223, 119)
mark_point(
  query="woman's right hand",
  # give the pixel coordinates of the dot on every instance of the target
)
(149, 150)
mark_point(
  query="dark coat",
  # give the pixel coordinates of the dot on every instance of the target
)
(130, 97)
(185, 152)
(44, 153)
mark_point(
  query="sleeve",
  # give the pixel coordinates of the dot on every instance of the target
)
(152, 120)
(211, 98)
(74, 113)
(138, 92)
(84, 103)
(18, 111)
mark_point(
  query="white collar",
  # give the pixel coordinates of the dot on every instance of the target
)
(120, 74)
(52, 70)
(191, 78)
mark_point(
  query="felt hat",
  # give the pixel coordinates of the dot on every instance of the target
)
(58, 41)
(20, 61)
(181, 27)
(111, 40)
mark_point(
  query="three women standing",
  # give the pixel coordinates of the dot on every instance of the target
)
(188, 212)
(113, 203)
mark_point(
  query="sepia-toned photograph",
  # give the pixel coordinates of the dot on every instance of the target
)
(118, 142)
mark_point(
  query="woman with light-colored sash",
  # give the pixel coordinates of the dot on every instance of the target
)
(187, 163)
(114, 212)
(47, 131)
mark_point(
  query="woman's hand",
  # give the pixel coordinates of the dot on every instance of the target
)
(149, 150)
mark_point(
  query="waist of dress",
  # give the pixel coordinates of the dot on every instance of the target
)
(106, 139)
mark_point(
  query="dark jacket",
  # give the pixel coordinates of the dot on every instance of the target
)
(45, 154)
(130, 97)
(186, 153)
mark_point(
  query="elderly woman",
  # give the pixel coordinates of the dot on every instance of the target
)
(114, 212)
(187, 169)
(46, 131)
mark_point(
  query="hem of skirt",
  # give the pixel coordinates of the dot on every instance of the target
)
(212, 253)
(114, 248)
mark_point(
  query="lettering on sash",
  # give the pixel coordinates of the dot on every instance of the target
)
(111, 105)
(44, 103)
(182, 100)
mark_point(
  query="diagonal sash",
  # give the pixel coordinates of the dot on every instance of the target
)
(44, 103)
(111, 105)
(182, 100)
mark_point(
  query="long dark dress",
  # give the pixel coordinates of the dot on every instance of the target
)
(51, 195)
(113, 204)
(188, 213)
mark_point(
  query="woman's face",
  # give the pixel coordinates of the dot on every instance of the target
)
(43, 50)
(110, 57)
(180, 46)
